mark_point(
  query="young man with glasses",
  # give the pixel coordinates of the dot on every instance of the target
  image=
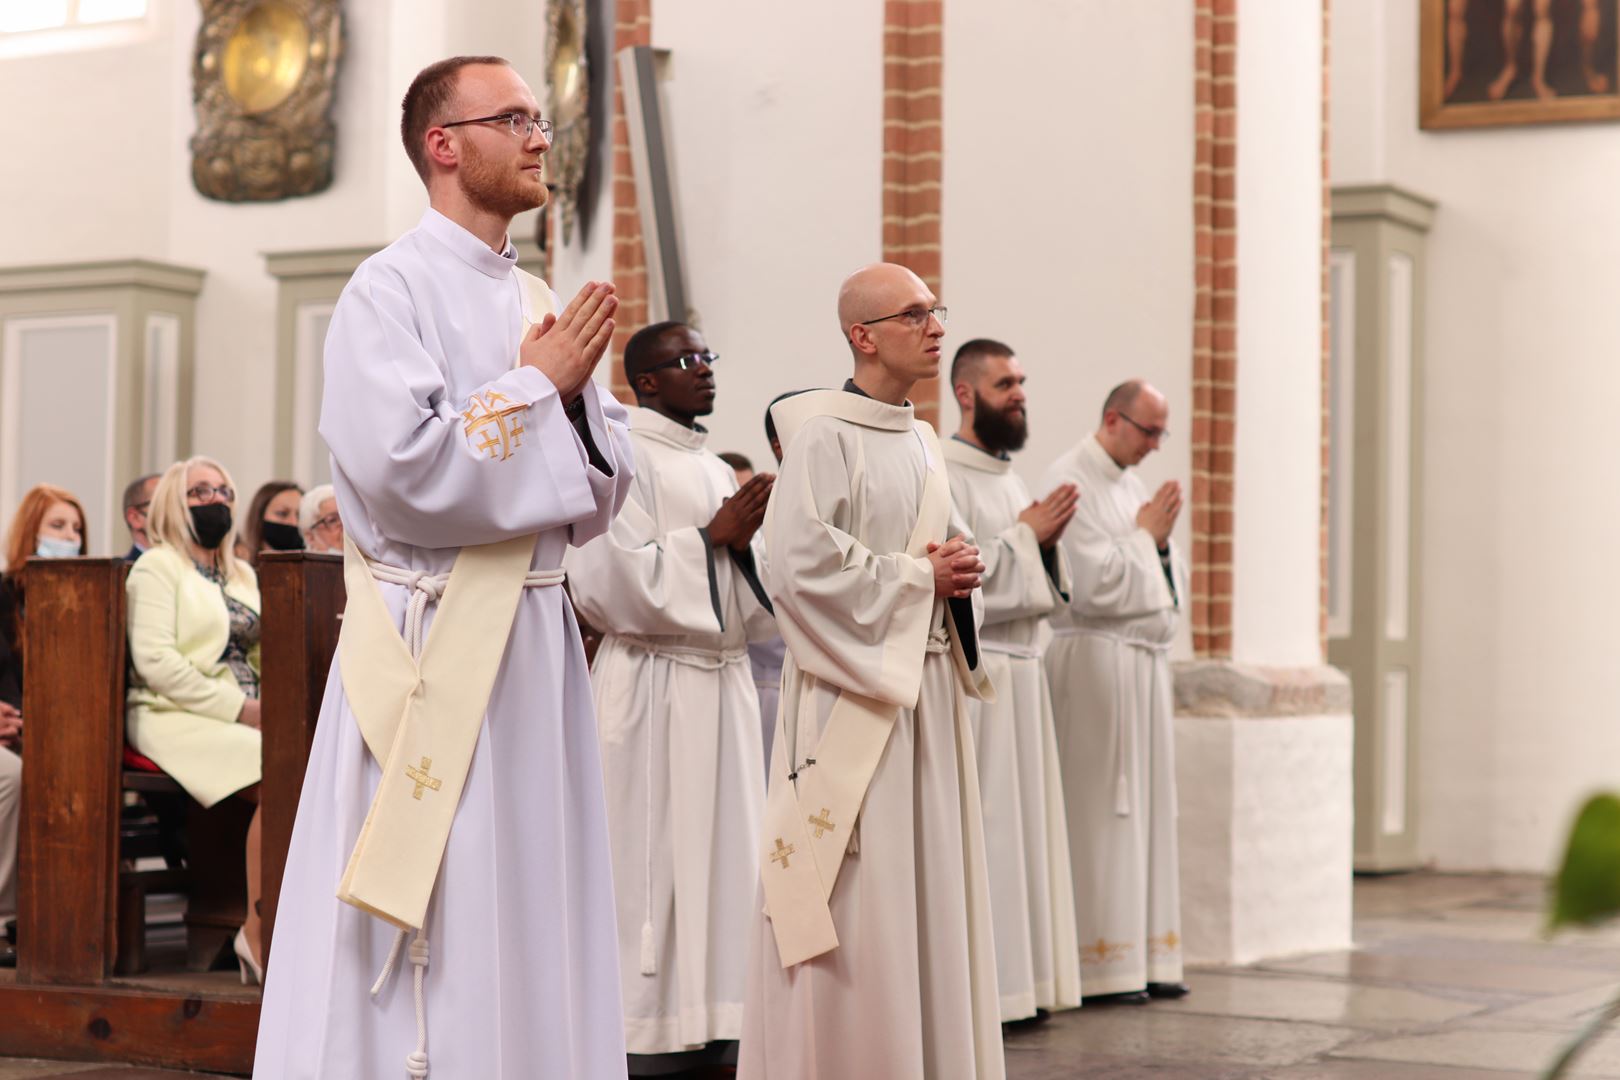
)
(873, 954)
(1109, 664)
(455, 794)
(674, 587)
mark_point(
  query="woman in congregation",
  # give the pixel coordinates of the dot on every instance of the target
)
(194, 650)
(50, 524)
(272, 521)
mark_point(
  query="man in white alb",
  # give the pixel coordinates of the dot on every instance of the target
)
(673, 587)
(448, 894)
(1109, 663)
(873, 954)
(1026, 578)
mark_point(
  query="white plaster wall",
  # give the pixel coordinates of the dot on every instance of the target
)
(1265, 831)
(1068, 214)
(1522, 331)
(775, 130)
(1277, 501)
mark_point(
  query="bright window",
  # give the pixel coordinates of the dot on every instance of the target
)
(20, 16)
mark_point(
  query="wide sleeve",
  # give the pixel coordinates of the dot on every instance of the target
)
(751, 568)
(852, 617)
(609, 426)
(153, 588)
(636, 579)
(436, 472)
(1114, 576)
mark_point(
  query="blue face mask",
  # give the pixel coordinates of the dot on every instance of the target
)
(49, 547)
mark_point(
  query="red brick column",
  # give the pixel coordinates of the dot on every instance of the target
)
(1214, 354)
(1327, 328)
(632, 26)
(913, 147)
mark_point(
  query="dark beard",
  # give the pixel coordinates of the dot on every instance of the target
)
(998, 434)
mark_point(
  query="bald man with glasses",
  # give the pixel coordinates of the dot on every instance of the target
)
(1109, 667)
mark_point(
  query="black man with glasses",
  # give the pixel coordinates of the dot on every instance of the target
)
(1109, 666)
(674, 586)
(448, 899)
(872, 953)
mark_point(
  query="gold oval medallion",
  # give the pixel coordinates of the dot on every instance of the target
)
(266, 56)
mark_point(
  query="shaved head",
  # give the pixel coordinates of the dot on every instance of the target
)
(1133, 422)
(1123, 396)
(875, 291)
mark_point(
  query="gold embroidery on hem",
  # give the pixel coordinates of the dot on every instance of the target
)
(1104, 952)
(489, 415)
(1169, 942)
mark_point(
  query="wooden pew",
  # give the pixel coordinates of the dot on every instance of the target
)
(303, 598)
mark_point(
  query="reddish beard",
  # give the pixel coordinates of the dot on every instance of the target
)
(497, 190)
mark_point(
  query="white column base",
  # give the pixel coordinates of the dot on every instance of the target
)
(1266, 813)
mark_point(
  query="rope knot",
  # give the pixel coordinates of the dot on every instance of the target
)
(419, 951)
(416, 1065)
(423, 582)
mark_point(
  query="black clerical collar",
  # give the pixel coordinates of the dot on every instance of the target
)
(850, 387)
(999, 455)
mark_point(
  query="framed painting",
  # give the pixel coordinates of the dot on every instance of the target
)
(1486, 63)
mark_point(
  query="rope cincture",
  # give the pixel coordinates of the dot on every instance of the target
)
(704, 660)
(1123, 800)
(425, 589)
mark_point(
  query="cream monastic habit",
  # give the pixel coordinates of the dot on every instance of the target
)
(1109, 664)
(439, 443)
(1026, 834)
(901, 981)
(679, 725)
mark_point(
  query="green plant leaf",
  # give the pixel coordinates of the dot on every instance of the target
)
(1587, 889)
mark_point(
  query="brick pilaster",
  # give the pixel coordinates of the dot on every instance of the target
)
(1214, 353)
(913, 149)
(632, 26)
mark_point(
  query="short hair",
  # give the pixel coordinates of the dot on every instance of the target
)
(169, 523)
(23, 538)
(136, 488)
(1123, 396)
(430, 93)
(770, 425)
(972, 354)
(638, 351)
(309, 507)
(736, 460)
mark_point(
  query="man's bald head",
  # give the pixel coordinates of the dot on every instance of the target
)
(875, 291)
(1133, 422)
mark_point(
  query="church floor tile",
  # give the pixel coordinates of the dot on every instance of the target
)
(1449, 980)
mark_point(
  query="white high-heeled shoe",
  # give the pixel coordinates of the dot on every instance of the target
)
(244, 957)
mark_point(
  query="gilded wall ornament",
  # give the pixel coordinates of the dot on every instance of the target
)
(568, 82)
(262, 81)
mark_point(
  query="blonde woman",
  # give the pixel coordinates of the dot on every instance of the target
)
(194, 646)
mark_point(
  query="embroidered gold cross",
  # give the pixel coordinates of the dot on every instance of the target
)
(424, 782)
(1170, 942)
(781, 853)
(821, 823)
(498, 424)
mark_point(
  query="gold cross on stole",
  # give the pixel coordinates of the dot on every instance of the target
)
(781, 853)
(822, 825)
(423, 780)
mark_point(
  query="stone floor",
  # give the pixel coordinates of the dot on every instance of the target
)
(1449, 981)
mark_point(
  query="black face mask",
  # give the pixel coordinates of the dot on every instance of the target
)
(279, 536)
(210, 523)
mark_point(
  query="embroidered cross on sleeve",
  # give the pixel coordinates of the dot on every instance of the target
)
(493, 424)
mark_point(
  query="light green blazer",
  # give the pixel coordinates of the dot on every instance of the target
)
(184, 716)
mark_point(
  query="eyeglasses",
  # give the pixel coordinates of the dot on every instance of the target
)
(915, 317)
(520, 125)
(141, 507)
(204, 493)
(330, 521)
(688, 361)
(1150, 432)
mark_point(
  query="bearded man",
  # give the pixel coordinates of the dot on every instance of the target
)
(454, 789)
(1026, 578)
